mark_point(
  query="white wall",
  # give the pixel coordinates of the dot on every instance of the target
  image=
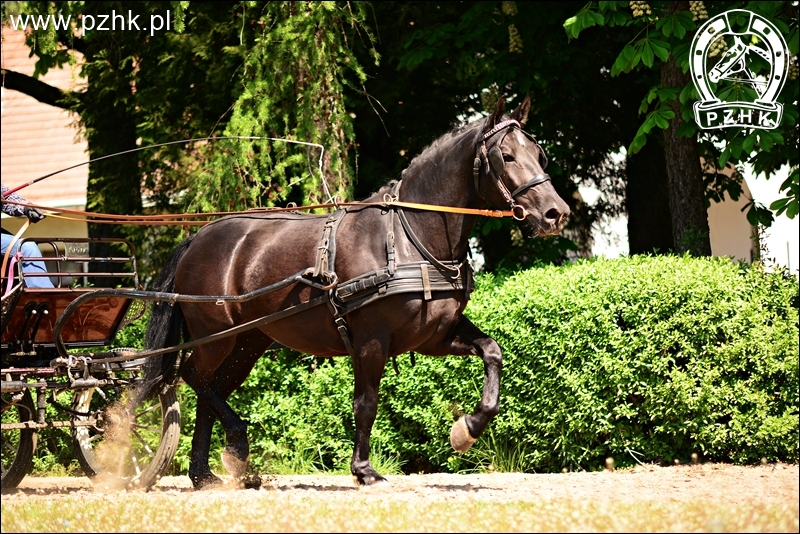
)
(728, 226)
(784, 235)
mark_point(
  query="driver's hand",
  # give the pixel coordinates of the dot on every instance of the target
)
(34, 215)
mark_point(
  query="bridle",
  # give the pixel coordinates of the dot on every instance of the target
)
(492, 159)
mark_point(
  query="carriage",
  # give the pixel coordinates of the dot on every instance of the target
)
(59, 372)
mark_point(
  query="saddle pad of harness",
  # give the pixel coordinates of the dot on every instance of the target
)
(417, 277)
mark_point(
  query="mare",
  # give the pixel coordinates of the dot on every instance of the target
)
(490, 161)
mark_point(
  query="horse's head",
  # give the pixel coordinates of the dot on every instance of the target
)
(509, 171)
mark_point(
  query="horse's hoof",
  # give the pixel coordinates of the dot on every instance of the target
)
(375, 484)
(235, 466)
(370, 481)
(208, 481)
(460, 438)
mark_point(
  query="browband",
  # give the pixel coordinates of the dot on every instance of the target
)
(499, 126)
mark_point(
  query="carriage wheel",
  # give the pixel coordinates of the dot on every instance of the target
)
(117, 455)
(18, 445)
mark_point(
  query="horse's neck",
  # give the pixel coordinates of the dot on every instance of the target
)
(443, 177)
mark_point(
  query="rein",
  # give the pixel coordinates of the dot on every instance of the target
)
(168, 219)
(492, 158)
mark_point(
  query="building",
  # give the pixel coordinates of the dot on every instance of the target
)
(38, 139)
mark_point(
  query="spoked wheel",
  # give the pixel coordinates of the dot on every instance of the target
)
(18, 445)
(121, 451)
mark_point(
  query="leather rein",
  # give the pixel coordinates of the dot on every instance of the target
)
(491, 159)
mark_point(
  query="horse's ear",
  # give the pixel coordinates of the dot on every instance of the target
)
(521, 113)
(497, 114)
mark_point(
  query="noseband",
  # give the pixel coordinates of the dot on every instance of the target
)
(495, 167)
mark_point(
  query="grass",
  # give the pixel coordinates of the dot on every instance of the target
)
(500, 455)
(272, 510)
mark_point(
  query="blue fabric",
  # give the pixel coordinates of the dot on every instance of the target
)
(31, 250)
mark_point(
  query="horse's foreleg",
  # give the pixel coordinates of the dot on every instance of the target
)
(468, 339)
(368, 365)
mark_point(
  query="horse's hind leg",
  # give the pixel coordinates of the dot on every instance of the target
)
(211, 404)
(368, 365)
(199, 470)
(468, 339)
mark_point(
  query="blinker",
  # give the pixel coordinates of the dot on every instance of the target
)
(496, 160)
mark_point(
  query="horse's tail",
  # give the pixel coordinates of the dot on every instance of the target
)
(164, 329)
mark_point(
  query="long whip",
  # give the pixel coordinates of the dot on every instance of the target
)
(254, 138)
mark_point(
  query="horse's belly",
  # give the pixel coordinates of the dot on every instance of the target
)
(409, 322)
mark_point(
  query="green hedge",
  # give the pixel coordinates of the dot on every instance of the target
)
(645, 359)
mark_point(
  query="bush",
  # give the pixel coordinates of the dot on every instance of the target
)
(648, 358)
(644, 359)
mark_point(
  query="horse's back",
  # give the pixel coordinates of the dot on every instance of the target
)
(241, 253)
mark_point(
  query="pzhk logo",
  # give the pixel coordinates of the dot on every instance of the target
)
(741, 88)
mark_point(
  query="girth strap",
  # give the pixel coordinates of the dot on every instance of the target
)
(417, 277)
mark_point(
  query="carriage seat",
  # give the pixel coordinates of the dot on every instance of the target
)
(30, 314)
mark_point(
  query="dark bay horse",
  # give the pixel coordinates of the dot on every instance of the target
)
(488, 162)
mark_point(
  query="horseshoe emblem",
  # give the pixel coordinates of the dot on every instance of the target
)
(759, 43)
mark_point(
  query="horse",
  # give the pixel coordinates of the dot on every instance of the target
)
(395, 280)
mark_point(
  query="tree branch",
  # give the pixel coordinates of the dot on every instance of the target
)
(76, 43)
(37, 89)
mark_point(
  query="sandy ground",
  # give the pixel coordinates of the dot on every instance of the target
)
(771, 484)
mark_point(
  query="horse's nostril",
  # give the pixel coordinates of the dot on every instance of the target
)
(553, 214)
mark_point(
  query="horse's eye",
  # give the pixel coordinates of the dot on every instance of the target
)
(508, 158)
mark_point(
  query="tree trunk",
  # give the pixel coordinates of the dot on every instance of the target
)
(684, 176)
(114, 184)
(647, 201)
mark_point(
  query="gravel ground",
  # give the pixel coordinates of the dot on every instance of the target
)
(770, 484)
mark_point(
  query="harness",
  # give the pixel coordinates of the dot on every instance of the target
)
(492, 160)
(427, 277)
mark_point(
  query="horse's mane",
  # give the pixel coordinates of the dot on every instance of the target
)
(436, 145)
(425, 153)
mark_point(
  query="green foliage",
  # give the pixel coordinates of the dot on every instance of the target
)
(644, 359)
(292, 83)
(274, 69)
(668, 31)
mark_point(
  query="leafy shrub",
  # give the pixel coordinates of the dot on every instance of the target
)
(644, 358)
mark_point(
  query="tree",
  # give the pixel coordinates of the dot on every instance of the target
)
(444, 62)
(659, 40)
(215, 73)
